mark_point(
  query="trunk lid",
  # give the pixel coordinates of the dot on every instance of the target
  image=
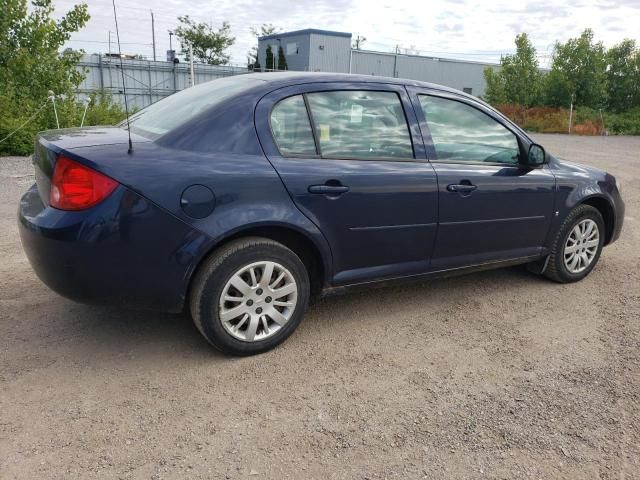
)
(50, 143)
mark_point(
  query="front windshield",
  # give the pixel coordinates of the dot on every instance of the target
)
(174, 110)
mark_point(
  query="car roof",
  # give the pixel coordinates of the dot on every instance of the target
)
(276, 80)
(294, 78)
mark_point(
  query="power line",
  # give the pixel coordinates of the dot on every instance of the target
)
(79, 40)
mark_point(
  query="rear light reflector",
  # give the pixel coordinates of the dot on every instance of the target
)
(77, 187)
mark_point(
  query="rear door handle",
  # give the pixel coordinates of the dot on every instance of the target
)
(328, 189)
(461, 188)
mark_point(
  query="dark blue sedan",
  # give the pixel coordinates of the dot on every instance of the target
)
(243, 196)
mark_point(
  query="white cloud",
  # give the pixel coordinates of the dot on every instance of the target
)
(482, 30)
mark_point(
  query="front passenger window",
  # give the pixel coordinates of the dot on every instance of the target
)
(461, 133)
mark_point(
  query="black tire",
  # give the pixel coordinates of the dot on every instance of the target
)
(556, 269)
(213, 275)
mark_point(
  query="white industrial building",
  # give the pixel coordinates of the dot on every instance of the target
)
(326, 51)
(312, 50)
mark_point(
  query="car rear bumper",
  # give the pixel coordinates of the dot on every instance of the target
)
(125, 251)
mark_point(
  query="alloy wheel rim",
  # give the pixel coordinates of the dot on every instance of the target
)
(257, 301)
(581, 246)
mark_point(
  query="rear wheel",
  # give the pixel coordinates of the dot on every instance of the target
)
(577, 246)
(249, 296)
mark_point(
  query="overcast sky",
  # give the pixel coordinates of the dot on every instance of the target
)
(455, 28)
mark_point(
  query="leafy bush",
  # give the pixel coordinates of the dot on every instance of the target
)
(101, 111)
(21, 142)
(14, 117)
(627, 123)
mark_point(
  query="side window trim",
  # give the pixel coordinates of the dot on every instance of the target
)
(426, 131)
(312, 122)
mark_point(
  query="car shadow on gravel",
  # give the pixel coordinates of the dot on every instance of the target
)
(105, 331)
(454, 289)
(108, 328)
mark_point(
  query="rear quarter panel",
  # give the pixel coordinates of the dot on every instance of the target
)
(125, 251)
(248, 192)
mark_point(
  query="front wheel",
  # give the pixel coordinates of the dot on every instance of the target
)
(249, 296)
(577, 246)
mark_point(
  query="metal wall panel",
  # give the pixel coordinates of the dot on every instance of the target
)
(146, 81)
(329, 53)
(379, 64)
(452, 73)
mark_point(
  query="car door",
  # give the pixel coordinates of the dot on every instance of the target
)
(352, 159)
(491, 208)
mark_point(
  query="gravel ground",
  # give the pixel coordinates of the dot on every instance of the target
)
(493, 375)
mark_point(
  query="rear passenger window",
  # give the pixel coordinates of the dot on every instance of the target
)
(360, 125)
(291, 128)
(461, 133)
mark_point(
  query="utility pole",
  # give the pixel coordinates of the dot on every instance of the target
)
(193, 78)
(153, 35)
(395, 62)
(109, 42)
(359, 41)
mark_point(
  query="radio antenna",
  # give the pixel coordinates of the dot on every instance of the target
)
(124, 87)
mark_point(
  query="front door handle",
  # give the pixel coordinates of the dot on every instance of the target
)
(461, 187)
(328, 189)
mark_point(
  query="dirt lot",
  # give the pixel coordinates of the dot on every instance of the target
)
(494, 375)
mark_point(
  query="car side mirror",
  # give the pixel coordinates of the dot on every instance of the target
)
(536, 155)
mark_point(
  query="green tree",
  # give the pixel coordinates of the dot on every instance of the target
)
(31, 65)
(578, 73)
(268, 63)
(494, 92)
(521, 73)
(264, 30)
(518, 79)
(623, 76)
(282, 60)
(209, 45)
(30, 62)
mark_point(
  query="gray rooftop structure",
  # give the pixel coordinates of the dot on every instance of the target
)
(315, 50)
(310, 50)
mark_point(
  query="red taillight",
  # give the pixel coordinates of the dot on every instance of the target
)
(76, 187)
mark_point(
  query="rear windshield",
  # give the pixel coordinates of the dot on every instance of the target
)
(174, 110)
